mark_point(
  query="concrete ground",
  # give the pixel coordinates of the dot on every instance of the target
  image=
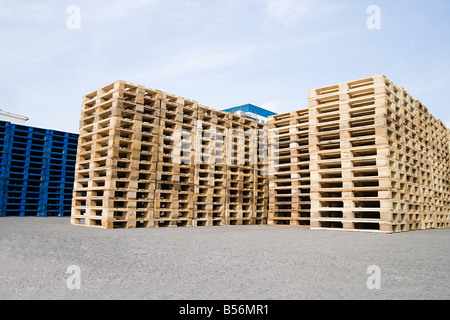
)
(212, 263)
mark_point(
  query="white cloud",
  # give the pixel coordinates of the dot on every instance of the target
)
(120, 9)
(199, 58)
(25, 11)
(273, 105)
(288, 12)
(291, 12)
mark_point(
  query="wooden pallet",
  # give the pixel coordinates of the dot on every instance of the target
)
(153, 159)
(289, 175)
(372, 153)
(373, 157)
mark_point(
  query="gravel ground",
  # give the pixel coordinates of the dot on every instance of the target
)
(212, 263)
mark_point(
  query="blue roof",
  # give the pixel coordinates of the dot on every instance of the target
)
(251, 108)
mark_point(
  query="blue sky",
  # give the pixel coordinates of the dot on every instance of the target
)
(221, 53)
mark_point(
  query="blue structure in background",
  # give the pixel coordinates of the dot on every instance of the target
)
(251, 109)
(37, 171)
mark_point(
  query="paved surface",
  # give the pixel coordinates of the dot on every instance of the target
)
(232, 263)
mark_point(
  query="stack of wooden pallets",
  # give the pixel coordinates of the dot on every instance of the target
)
(364, 156)
(261, 183)
(379, 161)
(240, 172)
(350, 173)
(175, 174)
(420, 163)
(210, 184)
(147, 158)
(289, 179)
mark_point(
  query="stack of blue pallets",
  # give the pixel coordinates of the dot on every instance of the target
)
(37, 171)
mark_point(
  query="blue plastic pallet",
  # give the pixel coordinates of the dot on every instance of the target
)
(32, 161)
